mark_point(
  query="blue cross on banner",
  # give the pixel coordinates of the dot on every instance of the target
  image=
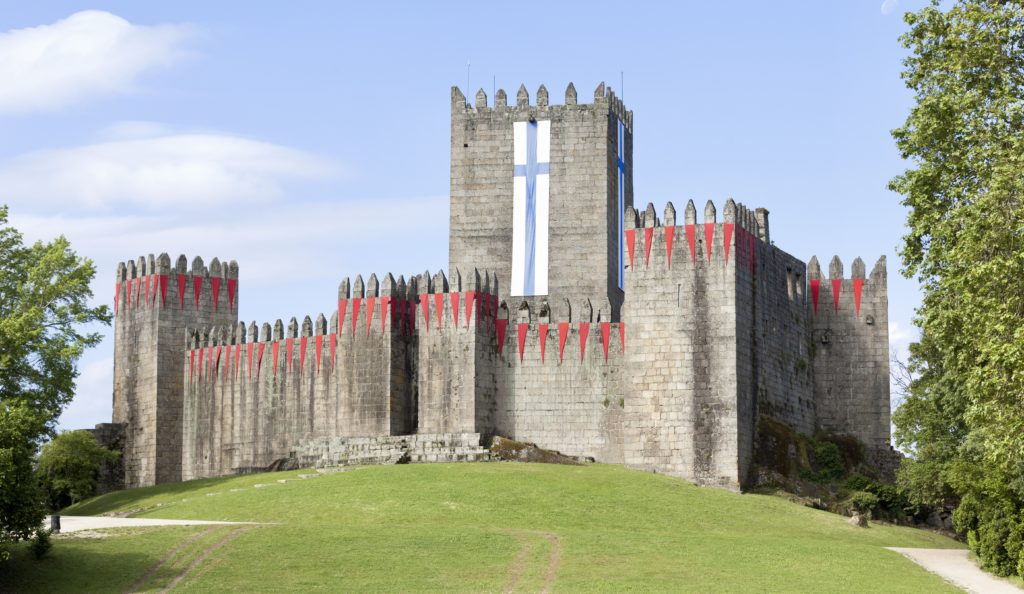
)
(530, 207)
(621, 166)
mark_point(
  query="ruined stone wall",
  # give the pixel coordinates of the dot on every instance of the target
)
(154, 303)
(583, 228)
(850, 348)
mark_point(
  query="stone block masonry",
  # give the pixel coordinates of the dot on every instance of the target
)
(713, 329)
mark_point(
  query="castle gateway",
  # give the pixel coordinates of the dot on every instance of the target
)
(568, 319)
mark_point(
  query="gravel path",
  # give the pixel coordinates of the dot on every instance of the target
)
(78, 523)
(954, 566)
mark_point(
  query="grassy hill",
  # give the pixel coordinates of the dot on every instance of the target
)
(475, 528)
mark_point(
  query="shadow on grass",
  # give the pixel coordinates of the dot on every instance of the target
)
(85, 565)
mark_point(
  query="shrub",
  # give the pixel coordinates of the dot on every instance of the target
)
(69, 467)
(863, 501)
(828, 460)
(41, 543)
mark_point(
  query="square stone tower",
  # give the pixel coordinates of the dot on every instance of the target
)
(154, 304)
(537, 196)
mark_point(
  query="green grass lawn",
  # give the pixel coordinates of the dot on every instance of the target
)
(475, 528)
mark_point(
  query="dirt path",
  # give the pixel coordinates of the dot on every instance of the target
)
(524, 537)
(79, 523)
(955, 567)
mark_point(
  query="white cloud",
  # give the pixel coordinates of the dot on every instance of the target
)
(88, 54)
(171, 170)
(889, 5)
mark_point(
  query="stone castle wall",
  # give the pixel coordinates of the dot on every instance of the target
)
(154, 303)
(717, 328)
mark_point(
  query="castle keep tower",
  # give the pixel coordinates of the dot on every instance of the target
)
(537, 193)
(153, 305)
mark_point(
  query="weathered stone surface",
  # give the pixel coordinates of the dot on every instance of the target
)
(673, 372)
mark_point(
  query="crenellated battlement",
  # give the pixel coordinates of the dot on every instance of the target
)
(605, 102)
(152, 282)
(735, 240)
(840, 290)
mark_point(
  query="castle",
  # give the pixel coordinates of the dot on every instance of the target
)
(568, 318)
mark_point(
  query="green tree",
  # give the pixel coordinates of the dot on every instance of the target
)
(964, 416)
(44, 293)
(69, 467)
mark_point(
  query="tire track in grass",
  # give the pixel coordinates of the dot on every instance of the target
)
(526, 548)
(205, 555)
(166, 558)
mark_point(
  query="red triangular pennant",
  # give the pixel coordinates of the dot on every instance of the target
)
(622, 336)
(128, 293)
(542, 334)
(232, 287)
(522, 328)
(606, 332)
(837, 285)
(670, 233)
(425, 304)
(439, 307)
(454, 297)
(709, 238)
(648, 240)
(289, 345)
(563, 333)
(163, 290)
(259, 359)
(181, 290)
(303, 342)
(858, 286)
(470, 296)
(691, 239)
(727, 233)
(384, 303)
(215, 285)
(584, 332)
(117, 296)
(371, 306)
(342, 307)
(815, 288)
(356, 303)
(501, 325)
(631, 244)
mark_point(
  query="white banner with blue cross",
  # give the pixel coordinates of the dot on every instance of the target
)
(530, 207)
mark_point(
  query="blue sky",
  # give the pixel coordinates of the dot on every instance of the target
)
(310, 141)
